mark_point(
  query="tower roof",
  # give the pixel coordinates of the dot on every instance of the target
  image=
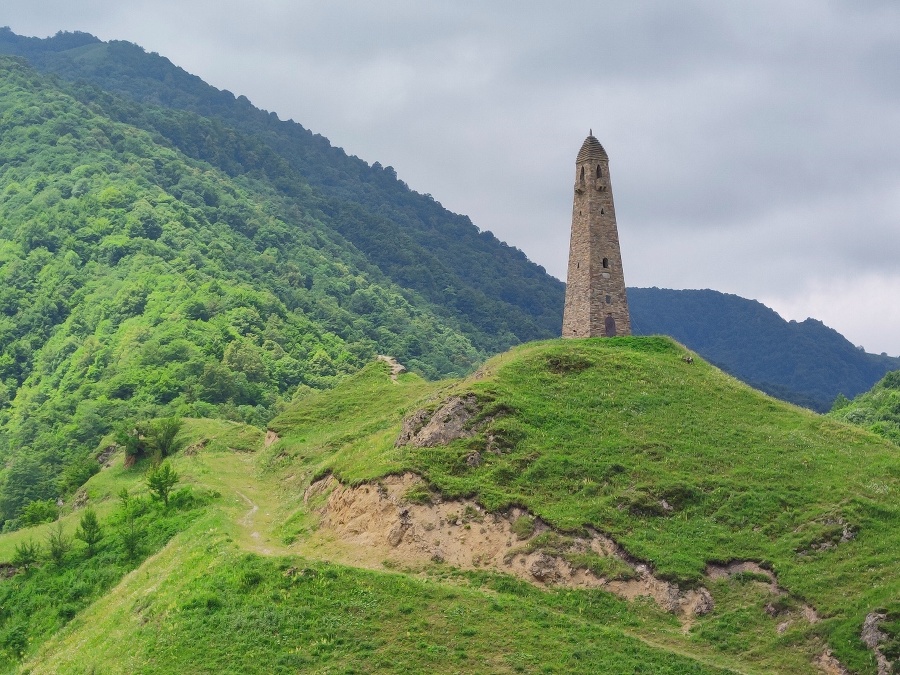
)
(591, 149)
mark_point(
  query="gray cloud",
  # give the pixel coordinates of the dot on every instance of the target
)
(754, 146)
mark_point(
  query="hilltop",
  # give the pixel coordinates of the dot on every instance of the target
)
(512, 521)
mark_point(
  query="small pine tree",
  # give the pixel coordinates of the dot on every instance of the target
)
(26, 555)
(161, 480)
(58, 544)
(130, 535)
(89, 530)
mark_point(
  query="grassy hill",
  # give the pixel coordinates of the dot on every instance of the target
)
(488, 289)
(788, 520)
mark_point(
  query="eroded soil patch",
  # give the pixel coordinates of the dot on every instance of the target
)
(382, 522)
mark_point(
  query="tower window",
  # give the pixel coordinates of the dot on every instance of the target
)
(599, 172)
(608, 299)
(601, 212)
(606, 264)
(582, 173)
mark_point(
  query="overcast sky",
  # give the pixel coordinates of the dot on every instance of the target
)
(754, 146)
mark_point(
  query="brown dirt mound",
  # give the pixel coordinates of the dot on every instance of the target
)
(380, 522)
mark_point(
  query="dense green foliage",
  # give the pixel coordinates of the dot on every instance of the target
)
(805, 363)
(136, 283)
(605, 432)
(490, 289)
(877, 410)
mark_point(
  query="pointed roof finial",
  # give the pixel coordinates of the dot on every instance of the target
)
(590, 132)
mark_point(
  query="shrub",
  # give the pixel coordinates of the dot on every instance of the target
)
(37, 512)
(26, 555)
(89, 530)
(162, 436)
(161, 479)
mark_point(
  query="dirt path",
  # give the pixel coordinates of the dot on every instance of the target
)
(253, 507)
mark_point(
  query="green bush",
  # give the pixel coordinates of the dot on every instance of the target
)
(58, 544)
(37, 512)
(89, 530)
(26, 555)
(161, 479)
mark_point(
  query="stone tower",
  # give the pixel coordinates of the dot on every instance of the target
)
(596, 305)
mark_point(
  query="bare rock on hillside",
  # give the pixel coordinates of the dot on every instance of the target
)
(452, 420)
(544, 569)
(872, 636)
(104, 459)
(396, 366)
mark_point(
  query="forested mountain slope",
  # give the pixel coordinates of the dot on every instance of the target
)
(806, 363)
(492, 289)
(136, 281)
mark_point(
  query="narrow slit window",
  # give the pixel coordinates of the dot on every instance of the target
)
(599, 172)
(582, 173)
(608, 299)
(606, 263)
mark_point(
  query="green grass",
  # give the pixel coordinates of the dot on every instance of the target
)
(679, 463)
(212, 608)
(604, 432)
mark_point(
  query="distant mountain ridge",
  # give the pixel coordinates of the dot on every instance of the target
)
(806, 363)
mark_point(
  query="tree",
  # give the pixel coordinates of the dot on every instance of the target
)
(89, 530)
(58, 544)
(161, 480)
(39, 511)
(162, 436)
(26, 555)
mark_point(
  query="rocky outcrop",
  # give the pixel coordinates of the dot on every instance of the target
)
(872, 636)
(453, 419)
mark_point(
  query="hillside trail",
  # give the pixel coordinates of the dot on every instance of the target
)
(252, 506)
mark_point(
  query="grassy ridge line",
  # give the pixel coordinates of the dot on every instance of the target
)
(603, 432)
